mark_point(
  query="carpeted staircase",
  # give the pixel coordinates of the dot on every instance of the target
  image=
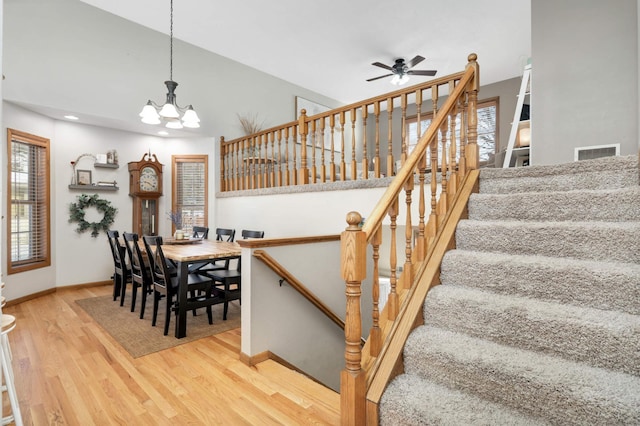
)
(537, 320)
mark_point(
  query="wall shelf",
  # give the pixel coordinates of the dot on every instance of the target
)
(106, 165)
(93, 188)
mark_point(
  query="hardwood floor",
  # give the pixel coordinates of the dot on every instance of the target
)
(70, 372)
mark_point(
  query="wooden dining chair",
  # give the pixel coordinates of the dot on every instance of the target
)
(140, 271)
(229, 281)
(246, 233)
(166, 285)
(222, 234)
(121, 273)
(201, 232)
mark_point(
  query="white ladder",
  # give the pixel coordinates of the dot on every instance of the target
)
(524, 90)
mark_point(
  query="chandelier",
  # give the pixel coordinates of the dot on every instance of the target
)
(170, 112)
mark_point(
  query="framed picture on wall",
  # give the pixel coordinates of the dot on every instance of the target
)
(311, 107)
(314, 108)
(84, 177)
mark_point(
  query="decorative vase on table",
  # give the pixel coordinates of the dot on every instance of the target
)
(179, 234)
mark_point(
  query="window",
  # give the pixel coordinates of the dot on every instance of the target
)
(189, 189)
(487, 129)
(29, 236)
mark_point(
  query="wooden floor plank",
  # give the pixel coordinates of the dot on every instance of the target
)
(69, 371)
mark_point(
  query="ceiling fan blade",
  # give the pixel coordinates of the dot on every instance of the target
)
(381, 65)
(415, 61)
(422, 72)
(378, 78)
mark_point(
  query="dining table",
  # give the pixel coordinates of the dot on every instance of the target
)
(183, 254)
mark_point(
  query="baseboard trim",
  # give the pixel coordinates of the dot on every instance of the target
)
(55, 290)
(268, 355)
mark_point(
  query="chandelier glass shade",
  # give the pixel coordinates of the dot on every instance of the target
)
(170, 113)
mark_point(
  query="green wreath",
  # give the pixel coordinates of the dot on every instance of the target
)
(76, 214)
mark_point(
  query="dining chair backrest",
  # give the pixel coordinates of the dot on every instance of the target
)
(149, 243)
(117, 251)
(246, 233)
(224, 234)
(136, 258)
(201, 232)
(161, 274)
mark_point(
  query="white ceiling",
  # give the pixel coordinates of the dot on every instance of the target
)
(328, 46)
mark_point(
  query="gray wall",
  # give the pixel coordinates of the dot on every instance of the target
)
(55, 49)
(584, 77)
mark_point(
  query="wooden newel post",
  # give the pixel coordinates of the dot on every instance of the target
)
(472, 152)
(353, 243)
(303, 131)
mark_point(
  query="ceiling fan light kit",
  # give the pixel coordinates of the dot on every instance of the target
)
(400, 71)
(169, 113)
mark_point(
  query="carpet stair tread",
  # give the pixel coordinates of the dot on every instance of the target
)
(602, 173)
(544, 386)
(577, 282)
(412, 400)
(614, 241)
(608, 339)
(589, 205)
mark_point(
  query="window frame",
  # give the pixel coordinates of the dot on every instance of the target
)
(44, 260)
(485, 103)
(175, 205)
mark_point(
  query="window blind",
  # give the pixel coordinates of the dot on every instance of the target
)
(190, 192)
(29, 209)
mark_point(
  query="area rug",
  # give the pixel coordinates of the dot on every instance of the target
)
(137, 335)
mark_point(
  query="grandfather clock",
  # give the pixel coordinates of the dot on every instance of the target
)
(145, 187)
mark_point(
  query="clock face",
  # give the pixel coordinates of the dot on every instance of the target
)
(148, 179)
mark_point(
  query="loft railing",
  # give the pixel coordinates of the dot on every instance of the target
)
(448, 153)
(364, 140)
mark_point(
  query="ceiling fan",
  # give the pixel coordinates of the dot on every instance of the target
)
(401, 70)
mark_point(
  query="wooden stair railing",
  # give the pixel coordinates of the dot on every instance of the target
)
(453, 162)
(330, 146)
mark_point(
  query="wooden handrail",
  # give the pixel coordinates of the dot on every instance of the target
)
(299, 287)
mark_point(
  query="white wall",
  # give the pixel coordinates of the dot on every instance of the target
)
(79, 258)
(584, 77)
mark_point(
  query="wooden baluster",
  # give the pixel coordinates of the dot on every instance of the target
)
(408, 269)
(390, 162)
(452, 186)
(432, 225)
(246, 170)
(354, 168)
(472, 150)
(462, 162)
(332, 164)
(255, 167)
(353, 244)
(442, 202)
(314, 148)
(375, 336)
(285, 166)
(295, 171)
(303, 130)
(343, 164)
(393, 302)
(404, 150)
(365, 156)
(376, 165)
(223, 178)
(422, 170)
(323, 166)
(278, 159)
(238, 177)
(268, 164)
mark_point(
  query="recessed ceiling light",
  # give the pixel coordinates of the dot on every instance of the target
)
(71, 117)
(163, 133)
